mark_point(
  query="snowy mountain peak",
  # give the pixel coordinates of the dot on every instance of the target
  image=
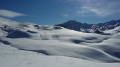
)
(74, 25)
(107, 25)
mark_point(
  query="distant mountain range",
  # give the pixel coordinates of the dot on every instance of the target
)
(84, 27)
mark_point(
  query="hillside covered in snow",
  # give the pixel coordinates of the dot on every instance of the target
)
(32, 45)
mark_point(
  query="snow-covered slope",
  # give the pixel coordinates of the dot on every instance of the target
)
(12, 57)
(21, 40)
(113, 31)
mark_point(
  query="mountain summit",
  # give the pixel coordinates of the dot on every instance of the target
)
(74, 25)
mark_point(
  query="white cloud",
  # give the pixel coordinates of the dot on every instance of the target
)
(10, 14)
(100, 8)
(97, 11)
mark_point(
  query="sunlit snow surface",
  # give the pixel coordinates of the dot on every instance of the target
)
(12, 57)
(30, 45)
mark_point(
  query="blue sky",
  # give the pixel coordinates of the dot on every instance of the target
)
(50, 12)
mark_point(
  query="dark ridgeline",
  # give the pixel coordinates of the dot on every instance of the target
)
(84, 27)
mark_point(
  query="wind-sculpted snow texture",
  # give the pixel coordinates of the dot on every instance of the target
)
(28, 38)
